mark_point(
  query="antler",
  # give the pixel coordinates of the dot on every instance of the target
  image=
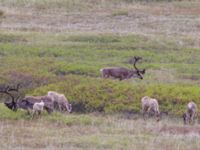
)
(139, 72)
(6, 89)
(136, 59)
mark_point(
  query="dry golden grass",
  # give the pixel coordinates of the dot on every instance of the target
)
(102, 133)
(168, 19)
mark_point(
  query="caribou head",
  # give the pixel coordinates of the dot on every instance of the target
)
(124, 73)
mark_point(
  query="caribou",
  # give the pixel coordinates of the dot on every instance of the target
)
(38, 108)
(150, 105)
(123, 73)
(60, 102)
(26, 102)
(191, 113)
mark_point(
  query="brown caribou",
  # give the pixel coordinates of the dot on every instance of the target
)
(26, 102)
(123, 73)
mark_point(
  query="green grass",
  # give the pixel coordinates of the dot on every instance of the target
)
(70, 64)
(90, 94)
(55, 117)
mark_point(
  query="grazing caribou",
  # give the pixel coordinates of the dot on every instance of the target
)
(191, 113)
(123, 73)
(60, 102)
(150, 105)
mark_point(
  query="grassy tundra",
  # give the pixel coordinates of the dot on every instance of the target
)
(62, 44)
(94, 131)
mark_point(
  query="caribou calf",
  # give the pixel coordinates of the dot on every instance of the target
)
(150, 105)
(38, 108)
(191, 113)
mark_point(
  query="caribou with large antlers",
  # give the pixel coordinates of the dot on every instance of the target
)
(123, 73)
(25, 102)
(8, 91)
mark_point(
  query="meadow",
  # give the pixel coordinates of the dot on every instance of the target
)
(94, 131)
(61, 45)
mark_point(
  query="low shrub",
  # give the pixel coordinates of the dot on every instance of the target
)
(104, 95)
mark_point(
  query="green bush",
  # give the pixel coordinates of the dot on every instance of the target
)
(89, 95)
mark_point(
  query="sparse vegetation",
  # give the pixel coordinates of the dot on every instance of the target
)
(90, 131)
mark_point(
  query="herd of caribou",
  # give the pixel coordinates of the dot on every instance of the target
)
(35, 104)
(54, 101)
